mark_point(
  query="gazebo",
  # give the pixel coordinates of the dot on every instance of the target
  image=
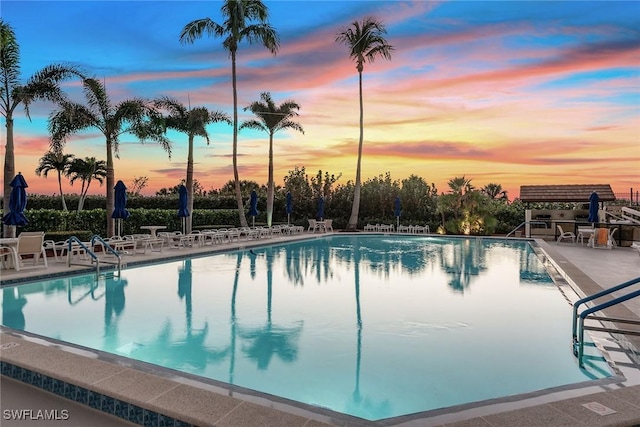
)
(572, 193)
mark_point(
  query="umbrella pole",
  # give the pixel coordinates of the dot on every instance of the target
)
(288, 218)
(253, 221)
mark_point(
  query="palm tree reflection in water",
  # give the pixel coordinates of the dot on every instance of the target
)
(271, 339)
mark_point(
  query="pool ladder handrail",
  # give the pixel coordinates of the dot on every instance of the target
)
(525, 223)
(91, 253)
(578, 326)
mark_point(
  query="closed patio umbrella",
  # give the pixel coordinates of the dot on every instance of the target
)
(396, 210)
(253, 210)
(120, 211)
(183, 212)
(17, 202)
(594, 199)
(289, 207)
(321, 208)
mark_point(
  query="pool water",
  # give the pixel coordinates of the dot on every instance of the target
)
(368, 325)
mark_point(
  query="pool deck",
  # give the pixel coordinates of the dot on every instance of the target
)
(163, 395)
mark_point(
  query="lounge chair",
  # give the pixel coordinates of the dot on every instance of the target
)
(636, 245)
(31, 243)
(565, 235)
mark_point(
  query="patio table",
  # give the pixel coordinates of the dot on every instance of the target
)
(153, 229)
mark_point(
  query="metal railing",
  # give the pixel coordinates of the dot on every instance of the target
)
(73, 240)
(578, 326)
(525, 223)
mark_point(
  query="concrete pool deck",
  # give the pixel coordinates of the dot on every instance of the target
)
(186, 398)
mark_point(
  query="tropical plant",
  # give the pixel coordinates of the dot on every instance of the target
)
(43, 85)
(136, 116)
(236, 28)
(138, 183)
(55, 161)
(365, 41)
(271, 119)
(86, 170)
(495, 191)
(193, 122)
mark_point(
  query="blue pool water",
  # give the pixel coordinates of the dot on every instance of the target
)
(371, 326)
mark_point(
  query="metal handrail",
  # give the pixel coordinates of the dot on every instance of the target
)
(93, 255)
(106, 246)
(73, 239)
(578, 326)
(525, 223)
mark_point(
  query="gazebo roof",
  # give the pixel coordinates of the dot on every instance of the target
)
(565, 193)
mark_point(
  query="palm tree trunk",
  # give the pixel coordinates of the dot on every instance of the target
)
(110, 185)
(9, 173)
(236, 178)
(64, 204)
(270, 186)
(190, 185)
(355, 208)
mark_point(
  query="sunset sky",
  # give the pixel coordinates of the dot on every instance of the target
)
(509, 92)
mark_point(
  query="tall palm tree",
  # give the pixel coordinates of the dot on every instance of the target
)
(366, 42)
(44, 84)
(136, 116)
(86, 170)
(55, 161)
(236, 28)
(193, 122)
(272, 118)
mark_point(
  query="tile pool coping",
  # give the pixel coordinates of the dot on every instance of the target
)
(149, 395)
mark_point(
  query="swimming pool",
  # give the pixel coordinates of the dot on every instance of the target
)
(371, 326)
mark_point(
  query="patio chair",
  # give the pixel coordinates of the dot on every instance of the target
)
(312, 224)
(8, 257)
(565, 234)
(328, 225)
(31, 243)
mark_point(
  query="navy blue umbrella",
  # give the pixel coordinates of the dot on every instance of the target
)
(396, 210)
(17, 202)
(253, 209)
(593, 207)
(120, 211)
(321, 208)
(289, 207)
(183, 212)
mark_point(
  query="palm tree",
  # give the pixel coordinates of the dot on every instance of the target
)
(366, 42)
(234, 29)
(86, 170)
(136, 116)
(272, 118)
(193, 122)
(55, 161)
(495, 192)
(44, 84)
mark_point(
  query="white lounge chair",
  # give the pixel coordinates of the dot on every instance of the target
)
(565, 235)
(31, 243)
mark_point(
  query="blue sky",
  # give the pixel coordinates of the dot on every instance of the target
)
(510, 92)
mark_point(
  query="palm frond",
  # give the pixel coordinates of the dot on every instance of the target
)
(9, 65)
(288, 124)
(261, 33)
(68, 120)
(196, 29)
(97, 96)
(253, 124)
